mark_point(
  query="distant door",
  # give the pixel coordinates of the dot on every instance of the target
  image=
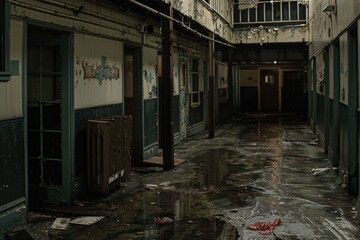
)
(133, 100)
(269, 90)
(48, 116)
(294, 95)
(184, 105)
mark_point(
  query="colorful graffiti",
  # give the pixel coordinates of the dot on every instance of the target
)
(100, 72)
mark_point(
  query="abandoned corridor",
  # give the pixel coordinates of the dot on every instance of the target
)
(257, 169)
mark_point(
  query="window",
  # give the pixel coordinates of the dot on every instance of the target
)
(269, 11)
(195, 83)
(4, 40)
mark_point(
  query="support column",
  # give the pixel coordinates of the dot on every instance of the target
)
(211, 87)
(231, 86)
(167, 78)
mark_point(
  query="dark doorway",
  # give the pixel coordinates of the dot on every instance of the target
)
(294, 95)
(133, 99)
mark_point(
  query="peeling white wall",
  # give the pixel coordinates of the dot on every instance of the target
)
(325, 28)
(11, 92)
(93, 53)
(149, 73)
(344, 69)
(207, 15)
(222, 75)
(176, 72)
(271, 34)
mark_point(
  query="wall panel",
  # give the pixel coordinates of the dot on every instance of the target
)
(11, 99)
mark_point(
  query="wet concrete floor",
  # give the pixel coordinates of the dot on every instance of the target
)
(257, 169)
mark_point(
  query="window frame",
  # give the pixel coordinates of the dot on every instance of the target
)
(5, 40)
(264, 16)
(195, 95)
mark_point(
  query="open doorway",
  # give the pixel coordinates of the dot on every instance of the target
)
(49, 114)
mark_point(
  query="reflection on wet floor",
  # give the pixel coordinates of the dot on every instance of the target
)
(256, 167)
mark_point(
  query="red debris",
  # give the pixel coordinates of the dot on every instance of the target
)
(163, 220)
(265, 228)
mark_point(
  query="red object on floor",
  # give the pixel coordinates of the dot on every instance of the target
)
(164, 220)
(265, 228)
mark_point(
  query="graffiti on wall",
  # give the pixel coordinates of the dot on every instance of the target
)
(101, 72)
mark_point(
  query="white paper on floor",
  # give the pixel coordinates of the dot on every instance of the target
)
(60, 223)
(86, 220)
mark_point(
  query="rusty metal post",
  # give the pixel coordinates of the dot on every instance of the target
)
(211, 87)
(167, 78)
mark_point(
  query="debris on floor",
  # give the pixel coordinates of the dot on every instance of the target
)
(317, 171)
(163, 220)
(86, 221)
(163, 186)
(60, 223)
(19, 235)
(265, 228)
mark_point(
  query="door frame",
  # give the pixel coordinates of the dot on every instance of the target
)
(138, 101)
(353, 102)
(327, 99)
(66, 193)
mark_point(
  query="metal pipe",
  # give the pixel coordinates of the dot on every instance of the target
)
(55, 13)
(90, 13)
(179, 22)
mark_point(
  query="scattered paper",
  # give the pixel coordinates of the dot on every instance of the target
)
(86, 221)
(60, 223)
(163, 186)
(317, 171)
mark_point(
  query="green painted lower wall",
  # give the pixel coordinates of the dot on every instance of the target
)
(81, 117)
(343, 143)
(333, 152)
(320, 124)
(12, 163)
(12, 172)
(196, 114)
(176, 113)
(151, 128)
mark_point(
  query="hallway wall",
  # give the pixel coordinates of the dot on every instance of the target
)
(12, 164)
(97, 33)
(334, 47)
